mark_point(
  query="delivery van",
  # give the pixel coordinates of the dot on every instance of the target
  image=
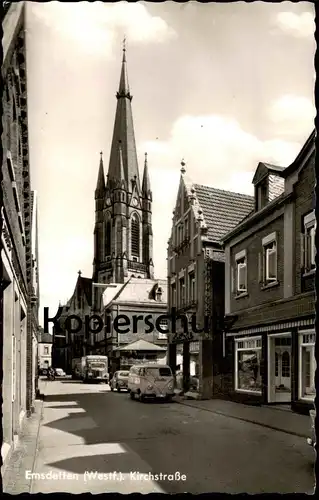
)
(151, 381)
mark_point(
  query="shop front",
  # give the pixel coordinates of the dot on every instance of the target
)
(138, 352)
(277, 366)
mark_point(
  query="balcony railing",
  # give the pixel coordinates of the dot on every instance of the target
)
(186, 305)
(136, 266)
(179, 248)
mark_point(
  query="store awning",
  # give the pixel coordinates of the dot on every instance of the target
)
(141, 345)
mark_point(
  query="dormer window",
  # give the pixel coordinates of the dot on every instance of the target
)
(262, 194)
(159, 293)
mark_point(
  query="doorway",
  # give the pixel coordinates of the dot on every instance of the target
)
(279, 373)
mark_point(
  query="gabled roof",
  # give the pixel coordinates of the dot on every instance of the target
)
(45, 338)
(222, 210)
(307, 150)
(141, 345)
(141, 291)
(11, 24)
(264, 169)
(86, 286)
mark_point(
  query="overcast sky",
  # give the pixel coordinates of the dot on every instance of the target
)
(223, 86)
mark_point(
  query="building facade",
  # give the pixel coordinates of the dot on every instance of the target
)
(132, 314)
(269, 289)
(19, 295)
(196, 279)
(45, 341)
(73, 339)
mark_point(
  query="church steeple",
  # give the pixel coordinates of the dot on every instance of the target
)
(124, 88)
(146, 184)
(123, 208)
(100, 185)
(124, 132)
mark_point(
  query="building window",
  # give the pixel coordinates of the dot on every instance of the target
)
(173, 300)
(192, 291)
(135, 236)
(180, 234)
(269, 274)
(309, 250)
(182, 292)
(241, 273)
(46, 349)
(108, 238)
(307, 366)
(164, 326)
(186, 227)
(247, 367)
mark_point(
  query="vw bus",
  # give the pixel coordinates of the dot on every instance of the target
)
(151, 381)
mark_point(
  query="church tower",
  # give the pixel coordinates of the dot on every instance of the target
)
(123, 207)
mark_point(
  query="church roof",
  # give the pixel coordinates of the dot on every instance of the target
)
(141, 291)
(222, 210)
(141, 345)
(86, 286)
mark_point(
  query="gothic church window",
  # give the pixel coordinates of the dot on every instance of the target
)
(135, 236)
(108, 238)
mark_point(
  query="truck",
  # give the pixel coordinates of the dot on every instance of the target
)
(76, 368)
(94, 368)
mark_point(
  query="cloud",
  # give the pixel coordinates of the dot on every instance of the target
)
(95, 26)
(299, 25)
(294, 114)
(217, 152)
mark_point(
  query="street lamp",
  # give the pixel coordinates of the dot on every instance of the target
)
(105, 286)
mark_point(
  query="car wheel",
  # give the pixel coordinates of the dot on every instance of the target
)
(141, 397)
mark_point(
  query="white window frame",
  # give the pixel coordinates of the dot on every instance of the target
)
(309, 226)
(241, 256)
(269, 240)
(243, 349)
(192, 286)
(163, 336)
(301, 345)
(182, 288)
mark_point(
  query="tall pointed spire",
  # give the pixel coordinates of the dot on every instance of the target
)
(124, 132)
(100, 185)
(124, 89)
(146, 184)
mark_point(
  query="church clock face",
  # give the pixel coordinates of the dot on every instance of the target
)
(134, 202)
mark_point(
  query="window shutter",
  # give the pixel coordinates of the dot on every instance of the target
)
(232, 279)
(260, 268)
(302, 250)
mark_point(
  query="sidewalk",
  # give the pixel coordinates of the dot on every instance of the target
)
(280, 419)
(53, 456)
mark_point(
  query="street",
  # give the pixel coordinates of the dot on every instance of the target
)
(88, 428)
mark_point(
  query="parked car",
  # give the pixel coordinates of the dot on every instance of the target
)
(312, 440)
(59, 372)
(151, 381)
(119, 380)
